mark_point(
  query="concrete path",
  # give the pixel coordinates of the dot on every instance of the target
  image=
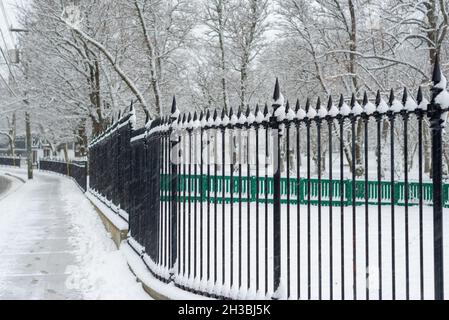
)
(53, 245)
(34, 246)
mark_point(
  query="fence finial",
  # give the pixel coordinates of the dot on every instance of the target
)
(248, 111)
(378, 98)
(318, 103)
(257, 109)
(365, 99)
(352, 100)
(436, 76)
(404, 96)
(419, 97)
(265, 111)
(297, 105)
(208, 114)
(307, 104)
(131, 106)
(276, 94)
(215, 114)
(329, 103)
(341, 101)
(173, 105)
(391, 99)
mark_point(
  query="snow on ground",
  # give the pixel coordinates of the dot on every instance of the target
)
(53, 246)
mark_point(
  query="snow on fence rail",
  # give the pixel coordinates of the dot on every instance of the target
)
(10, 161)
(213, 206)
(77, 170)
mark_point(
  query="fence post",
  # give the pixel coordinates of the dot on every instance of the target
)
(174, 141)
(275, 124)
(435, 113)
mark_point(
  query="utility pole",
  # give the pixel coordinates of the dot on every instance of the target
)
(28, 144)
(27, 117)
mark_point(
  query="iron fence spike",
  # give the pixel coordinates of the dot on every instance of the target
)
(391, 99)
(277, 92)
(329, 103)
(419, 97)
(365, 98)
(436, 76)
(404, 96)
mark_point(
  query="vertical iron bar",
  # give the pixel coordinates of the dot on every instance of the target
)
(379, 195)
(436, 125)
(420, 116)
(393, 201)
(367, 273)
(406, 200)
(288, 206)
(309, 264)
(342, 204)
(354, 217)
(320, 270)
(331, 193)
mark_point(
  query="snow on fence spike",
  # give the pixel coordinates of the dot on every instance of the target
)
(233, 117)
(300, 113)
(368, 106)
(382, 106)
(250, 117)
(345, 110)
(356, 109)
(290, 113)
(322, 111)
(395, 105)
(259, 114)
(332, 110)
(224, 118)
(311, 111)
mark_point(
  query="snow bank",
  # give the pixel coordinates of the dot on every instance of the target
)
(102, 271)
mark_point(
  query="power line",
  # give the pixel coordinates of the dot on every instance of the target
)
(5, 16)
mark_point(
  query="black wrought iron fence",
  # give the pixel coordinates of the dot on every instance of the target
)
(76, 170)
(10, 161)
(323, 201)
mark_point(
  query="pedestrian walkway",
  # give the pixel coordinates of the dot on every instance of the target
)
(53, 246)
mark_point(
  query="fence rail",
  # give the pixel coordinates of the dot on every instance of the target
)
(76, 170)
(212, 198)
(10, 161)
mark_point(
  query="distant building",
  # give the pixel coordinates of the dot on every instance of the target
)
(39, 147)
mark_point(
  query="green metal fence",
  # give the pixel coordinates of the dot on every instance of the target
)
(249, 190)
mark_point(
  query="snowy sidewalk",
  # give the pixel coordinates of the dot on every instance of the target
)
(54, 246)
